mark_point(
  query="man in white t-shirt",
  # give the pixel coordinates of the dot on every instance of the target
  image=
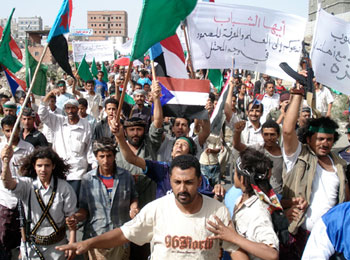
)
(324, 99)
(270, 100)
(315, 179)
(175, 224)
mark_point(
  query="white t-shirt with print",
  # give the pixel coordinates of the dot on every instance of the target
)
(324, 191)
(176, 235)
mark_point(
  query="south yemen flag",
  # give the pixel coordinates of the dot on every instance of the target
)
(184, 97)
(57, 42)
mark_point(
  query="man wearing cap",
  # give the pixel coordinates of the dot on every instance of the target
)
(270, 100)
(72, 138)
(94, 100)
(62, 94)
(314, 180)
(139, 109)
(107, 200)
(10, 108)
(29, 133)
(277, 114)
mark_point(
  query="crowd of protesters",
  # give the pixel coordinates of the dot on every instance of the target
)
(146, 185)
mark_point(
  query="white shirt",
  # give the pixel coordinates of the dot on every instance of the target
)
(323, 98)
(269, 103)
(250, 136)
(71, 142)
(22, 149)
(46, 130)
(94, 104)
(176, 235)
(253, 221)
(324, 190)
(318, 244)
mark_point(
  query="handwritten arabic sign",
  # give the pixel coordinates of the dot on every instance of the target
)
(101, 50)
(330, 52)
(81, 32)
(259, 39)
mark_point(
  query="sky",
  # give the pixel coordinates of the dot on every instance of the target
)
(48, 9)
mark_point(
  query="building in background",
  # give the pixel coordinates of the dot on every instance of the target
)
(14, 26)
(28, 24)
(330, 6)
(108, 25)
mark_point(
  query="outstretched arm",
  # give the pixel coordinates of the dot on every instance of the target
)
(8, 181)
(158, 110)
(229, 234)
(290, 138)
(128, 154)
(228, 102)
(237, 143)
(109, 239)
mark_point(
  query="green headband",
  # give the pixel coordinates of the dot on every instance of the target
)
(61, 85)
(325, 130)
(188, 141)
(348, 130)
(11, 106)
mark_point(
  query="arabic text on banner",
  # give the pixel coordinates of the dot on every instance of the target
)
(259, 39)
(101, 50)
(330, 52)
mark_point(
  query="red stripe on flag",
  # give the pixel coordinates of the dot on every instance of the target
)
(173, 44)
(189, 85)
(13, 46)
(70, 2)
(19, 81)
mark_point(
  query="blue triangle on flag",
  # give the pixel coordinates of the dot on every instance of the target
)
(165, 97)
(12, 82)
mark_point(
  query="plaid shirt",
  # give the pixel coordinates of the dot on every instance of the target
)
(105, 214)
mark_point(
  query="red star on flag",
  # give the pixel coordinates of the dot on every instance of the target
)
(64, 20)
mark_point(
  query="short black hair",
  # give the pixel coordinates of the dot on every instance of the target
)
(269, 82)
(271, 124)
(323, 122)
(212, 97)
(187, 119)
(90, 81)
(52, 97)
(100, 71)
(83, 101)
(256, 104)
(9, 120)
(4, 96)
(185, 162)
(111, 101)
(138, 84)
(104, 144)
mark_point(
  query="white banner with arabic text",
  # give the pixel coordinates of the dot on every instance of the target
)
(330, 54)
(100, 50)
(259, 39)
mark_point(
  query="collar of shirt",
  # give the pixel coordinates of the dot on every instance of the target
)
(37, 183)
(77, 125)
(248, 203)
(22, 145)
(250, 125)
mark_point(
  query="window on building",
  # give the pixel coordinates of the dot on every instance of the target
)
(36, 53)
(104, 17)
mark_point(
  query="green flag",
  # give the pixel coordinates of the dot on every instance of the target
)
(128, 99)
(84, 70)
(6, 58)
(105, 72)
(159, 20)
(215, 77)
(39, 87)
(94, 69)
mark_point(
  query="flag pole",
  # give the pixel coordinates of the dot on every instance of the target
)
(153, 71)
(28, 95)
(183, 26)
(121, 100)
